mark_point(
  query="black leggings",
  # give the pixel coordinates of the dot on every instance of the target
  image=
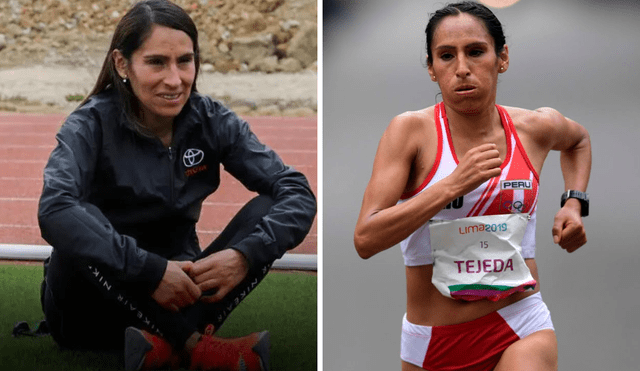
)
(87, 308)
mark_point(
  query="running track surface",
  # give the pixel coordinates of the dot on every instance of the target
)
(26, 140)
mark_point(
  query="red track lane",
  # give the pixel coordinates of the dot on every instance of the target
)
(26, 140)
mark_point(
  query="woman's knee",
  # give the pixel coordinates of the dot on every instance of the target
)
(538, 351)
(241, 225)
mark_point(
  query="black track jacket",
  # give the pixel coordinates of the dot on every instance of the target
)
(151, 195)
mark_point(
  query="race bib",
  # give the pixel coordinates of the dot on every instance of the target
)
(480, 257)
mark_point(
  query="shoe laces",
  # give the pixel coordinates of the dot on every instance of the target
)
(225, 354)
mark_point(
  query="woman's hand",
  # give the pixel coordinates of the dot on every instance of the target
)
(220, 272)
(176, 290)
(568, 230)
(478, 165)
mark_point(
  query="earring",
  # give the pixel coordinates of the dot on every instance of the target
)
(124, 81)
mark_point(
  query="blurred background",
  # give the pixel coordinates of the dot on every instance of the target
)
(578, 56)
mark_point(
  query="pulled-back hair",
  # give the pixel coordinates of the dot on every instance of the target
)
(130, 33)
(490, 21)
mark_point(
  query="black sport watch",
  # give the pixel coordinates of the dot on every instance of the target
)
(583, 197)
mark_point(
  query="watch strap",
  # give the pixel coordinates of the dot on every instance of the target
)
(583, 197)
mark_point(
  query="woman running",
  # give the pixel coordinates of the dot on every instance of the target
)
(456, 184)
(122, 194)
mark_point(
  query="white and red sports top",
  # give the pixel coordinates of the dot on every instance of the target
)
(515, 191)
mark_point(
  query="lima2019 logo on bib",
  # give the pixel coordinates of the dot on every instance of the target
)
(192, 159)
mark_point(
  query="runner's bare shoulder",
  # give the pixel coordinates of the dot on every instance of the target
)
(540, 124)
(411, 130)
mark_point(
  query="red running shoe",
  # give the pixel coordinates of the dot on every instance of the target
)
(145, 351)
(249, 353)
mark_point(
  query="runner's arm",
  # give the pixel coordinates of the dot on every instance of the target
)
(383, 222)
(574, 144)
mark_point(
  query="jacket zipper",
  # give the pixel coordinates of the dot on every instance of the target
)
(171, 173)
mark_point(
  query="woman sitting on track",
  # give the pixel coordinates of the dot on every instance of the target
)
(456, 185)
(122, 194)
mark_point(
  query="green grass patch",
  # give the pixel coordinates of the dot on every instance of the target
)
(19, 100)
(285, 304)
(74, 97)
